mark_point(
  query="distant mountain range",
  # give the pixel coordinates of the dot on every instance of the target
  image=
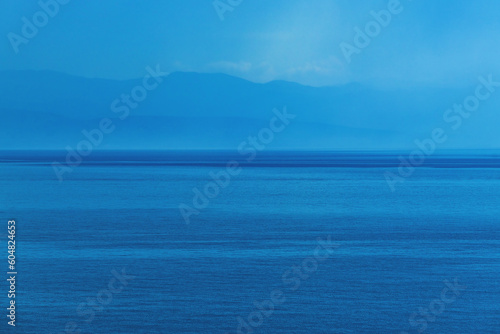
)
(49, 110)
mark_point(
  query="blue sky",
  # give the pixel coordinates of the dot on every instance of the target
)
(448, 42)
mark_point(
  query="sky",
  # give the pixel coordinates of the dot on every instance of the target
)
(428, 42)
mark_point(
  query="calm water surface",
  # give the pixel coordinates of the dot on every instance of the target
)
(395, 251)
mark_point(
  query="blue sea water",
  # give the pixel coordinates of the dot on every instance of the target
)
(119, 211)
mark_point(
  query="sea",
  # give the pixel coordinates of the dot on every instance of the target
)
(284, 242)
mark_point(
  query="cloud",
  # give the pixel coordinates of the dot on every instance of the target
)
(228, 66)
(323, 72)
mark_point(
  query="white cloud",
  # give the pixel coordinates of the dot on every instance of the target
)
(324, 72)
(228, 66)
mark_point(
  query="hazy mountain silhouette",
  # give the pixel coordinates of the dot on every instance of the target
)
(49, 110)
